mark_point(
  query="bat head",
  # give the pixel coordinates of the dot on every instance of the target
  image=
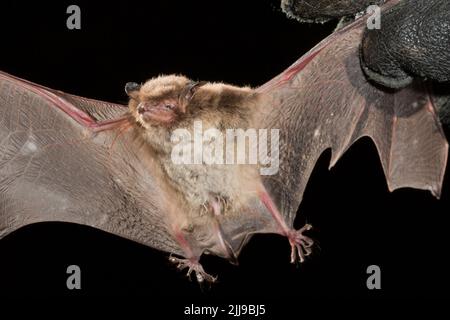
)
(162, 100)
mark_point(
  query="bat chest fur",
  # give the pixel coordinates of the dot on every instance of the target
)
(202, 184)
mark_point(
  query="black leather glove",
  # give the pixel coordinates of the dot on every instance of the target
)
(324, 10)
(414, 39)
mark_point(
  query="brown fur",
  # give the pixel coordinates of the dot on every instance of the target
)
(195, 186)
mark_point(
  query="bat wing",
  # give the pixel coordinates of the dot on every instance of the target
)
(55, 167)
(324, 101)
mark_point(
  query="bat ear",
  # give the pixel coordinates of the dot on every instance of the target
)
(131, 89)
(192, 88)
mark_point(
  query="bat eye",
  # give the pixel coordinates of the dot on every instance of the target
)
(170, 106)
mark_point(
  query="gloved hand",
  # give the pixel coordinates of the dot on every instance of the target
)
(414, 39)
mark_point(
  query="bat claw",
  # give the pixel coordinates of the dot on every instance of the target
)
(300, 244)
(193, 265)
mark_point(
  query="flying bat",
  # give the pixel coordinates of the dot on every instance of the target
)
(113, 167)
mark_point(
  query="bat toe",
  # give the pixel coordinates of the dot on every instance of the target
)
(193, 265)
(300, 244)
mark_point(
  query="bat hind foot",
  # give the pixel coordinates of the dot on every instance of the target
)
(193, 265)
(300, 244)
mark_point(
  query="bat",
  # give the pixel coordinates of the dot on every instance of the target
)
(111, 166)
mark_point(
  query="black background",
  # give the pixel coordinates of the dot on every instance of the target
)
(357, 221)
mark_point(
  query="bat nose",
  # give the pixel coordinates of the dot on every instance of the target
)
(131, 87)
